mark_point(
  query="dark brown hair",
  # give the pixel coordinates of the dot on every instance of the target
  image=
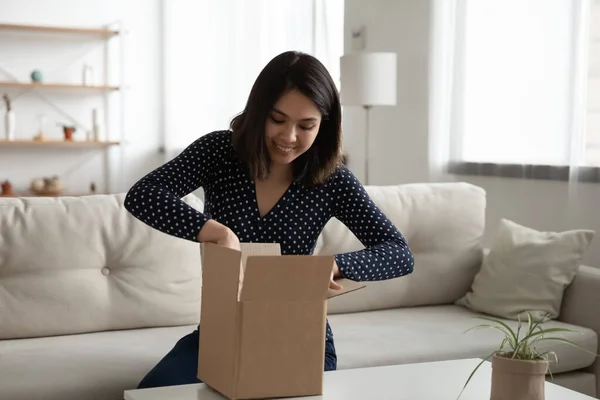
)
(288, 71)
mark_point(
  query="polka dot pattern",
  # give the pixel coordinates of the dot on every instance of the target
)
(295, 222)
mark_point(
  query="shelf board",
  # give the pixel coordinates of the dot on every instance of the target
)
(57, 143)
(31, 194)
(59, 86)
(102, 32)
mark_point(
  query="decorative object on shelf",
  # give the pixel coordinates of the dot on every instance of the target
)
(41, 128)
(9, 119)
(68, 131)
(6, 188)
(88, 75)
(37, 185)
(47, 186)
(96, 130)
(36, 76)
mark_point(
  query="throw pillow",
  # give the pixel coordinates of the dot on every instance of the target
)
(526, 271)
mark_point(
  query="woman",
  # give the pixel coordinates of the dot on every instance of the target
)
(275, 176)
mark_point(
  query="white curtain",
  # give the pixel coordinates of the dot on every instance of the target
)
(215, 49)
(509, 84)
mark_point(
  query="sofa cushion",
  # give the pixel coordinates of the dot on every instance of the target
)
(97, 366)
(73, 265)
(443, 224)
(437, 333)
(527, 271)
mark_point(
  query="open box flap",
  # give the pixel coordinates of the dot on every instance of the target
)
(218, 316)
(286, 278)
(259, 249)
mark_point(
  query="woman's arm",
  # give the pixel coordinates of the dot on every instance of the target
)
(386, 254)
(156, 198)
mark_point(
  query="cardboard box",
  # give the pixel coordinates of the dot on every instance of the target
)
(262, 322)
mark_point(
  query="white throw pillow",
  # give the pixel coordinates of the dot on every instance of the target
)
(526, 271)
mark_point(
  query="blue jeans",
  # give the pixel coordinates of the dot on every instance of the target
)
(180, 365)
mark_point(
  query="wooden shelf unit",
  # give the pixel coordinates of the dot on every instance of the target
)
(102, 32)
(56, 86)
(112, 37)
(57, 143)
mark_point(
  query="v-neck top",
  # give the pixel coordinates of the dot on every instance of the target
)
(295, 221)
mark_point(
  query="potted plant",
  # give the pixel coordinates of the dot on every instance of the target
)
(68, 131)
(518, 368)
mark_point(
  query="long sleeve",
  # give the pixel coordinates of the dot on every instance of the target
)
(156, 198)
(386, 254)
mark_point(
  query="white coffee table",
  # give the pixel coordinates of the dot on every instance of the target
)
(426, 381)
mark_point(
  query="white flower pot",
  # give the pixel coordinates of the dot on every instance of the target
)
(9, 125)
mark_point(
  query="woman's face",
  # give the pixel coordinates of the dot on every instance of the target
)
(291, 127)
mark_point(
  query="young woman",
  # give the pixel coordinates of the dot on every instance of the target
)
(276, 176)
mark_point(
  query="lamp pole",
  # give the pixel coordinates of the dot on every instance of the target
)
(367, 151)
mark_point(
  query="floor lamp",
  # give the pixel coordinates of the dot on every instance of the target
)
(368, 79)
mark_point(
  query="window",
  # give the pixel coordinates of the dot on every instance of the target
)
(215, 49)
(592, 154)
(526, 84)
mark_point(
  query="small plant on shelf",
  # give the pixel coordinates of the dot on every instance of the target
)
(7, 102)
(68, 131)
(518, 368)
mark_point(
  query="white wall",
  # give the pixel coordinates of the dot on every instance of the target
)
(400, 135)
(60, 59)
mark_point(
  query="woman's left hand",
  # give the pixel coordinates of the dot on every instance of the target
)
(335, 273)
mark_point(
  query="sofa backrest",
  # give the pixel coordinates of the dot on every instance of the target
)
(443, 224)
(74, 265)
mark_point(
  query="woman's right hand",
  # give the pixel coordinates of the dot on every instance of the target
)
(215, 232)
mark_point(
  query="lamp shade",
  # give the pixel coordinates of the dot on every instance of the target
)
(368, 79)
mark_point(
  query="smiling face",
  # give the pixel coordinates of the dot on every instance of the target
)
(291, 127)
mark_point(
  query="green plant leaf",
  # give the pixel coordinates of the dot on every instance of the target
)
(508, 331)
(525, 345)
(533, 325)
(504, 341)
(567, 342)
(544, 331)
(473, 373)
(507, 335)
(518, 326)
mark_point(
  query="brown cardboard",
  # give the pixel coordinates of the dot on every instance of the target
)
(262, 323)
(347, 287)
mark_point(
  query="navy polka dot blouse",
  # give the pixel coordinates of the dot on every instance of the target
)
(295, 222)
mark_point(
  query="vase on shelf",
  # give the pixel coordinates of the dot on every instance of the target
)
(9, 125)
(88, 75)
(96, 128)
(9, 119)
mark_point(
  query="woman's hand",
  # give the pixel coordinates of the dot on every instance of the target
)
(215, 232)
(335, 273)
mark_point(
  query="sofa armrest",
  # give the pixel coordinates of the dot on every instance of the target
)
(579, 307)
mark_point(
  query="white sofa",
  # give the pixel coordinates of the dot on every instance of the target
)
(91, 298)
